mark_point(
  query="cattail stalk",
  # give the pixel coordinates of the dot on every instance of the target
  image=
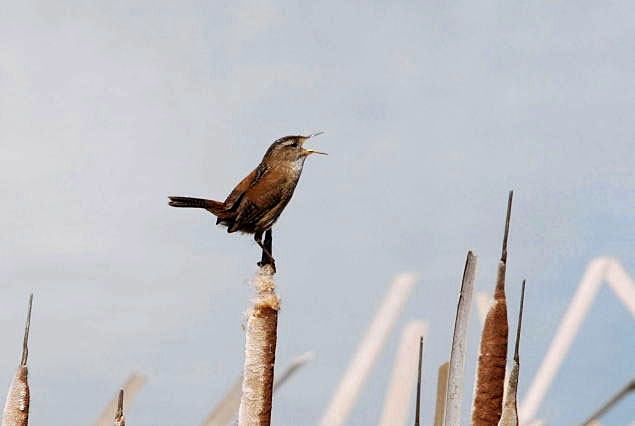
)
(490, 377)
(260, 352)
(509, 416)
(16, 408)
(459, 344)
(418, 397)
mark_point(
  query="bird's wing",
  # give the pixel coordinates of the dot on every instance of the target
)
(263, 201)
(235, 196)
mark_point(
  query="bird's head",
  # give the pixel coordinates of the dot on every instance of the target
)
(290, 148)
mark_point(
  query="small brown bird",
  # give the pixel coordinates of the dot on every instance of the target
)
(257, 201)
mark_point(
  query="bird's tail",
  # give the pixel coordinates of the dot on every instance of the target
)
(214, 207)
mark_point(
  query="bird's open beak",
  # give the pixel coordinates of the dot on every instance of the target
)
(312, 151)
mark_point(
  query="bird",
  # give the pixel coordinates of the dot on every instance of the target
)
(255, 204)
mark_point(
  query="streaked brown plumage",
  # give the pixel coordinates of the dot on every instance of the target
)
(257, 201)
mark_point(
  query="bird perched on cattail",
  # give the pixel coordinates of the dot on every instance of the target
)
(257, 201)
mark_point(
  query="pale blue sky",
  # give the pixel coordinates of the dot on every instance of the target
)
(431, 111)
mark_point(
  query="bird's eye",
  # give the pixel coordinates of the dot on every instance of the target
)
(294, 144)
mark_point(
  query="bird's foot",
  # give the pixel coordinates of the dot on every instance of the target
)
(267, 258)
(271, 262)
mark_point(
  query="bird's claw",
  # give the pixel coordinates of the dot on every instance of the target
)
(271, 263)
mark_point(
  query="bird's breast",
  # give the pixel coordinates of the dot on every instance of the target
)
(293, 168)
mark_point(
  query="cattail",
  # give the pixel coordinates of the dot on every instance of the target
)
(16, 408)
(490, 380)
(260, 352)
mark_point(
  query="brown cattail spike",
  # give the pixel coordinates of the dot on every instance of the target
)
(25, 340)
(418, 400)
(490, 374)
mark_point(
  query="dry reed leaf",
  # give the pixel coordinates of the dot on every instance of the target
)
(455, 386)
(598, 270)
(227, 409)
(396, 407)
(592, 420)
(367, 352)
